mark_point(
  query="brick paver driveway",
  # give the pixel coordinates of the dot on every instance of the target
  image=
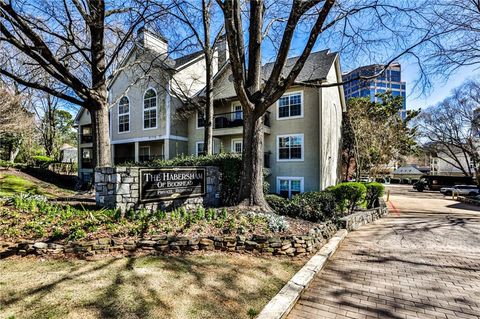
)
(420, 261)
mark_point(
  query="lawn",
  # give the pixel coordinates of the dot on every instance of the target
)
(198, 286)
(12, 184)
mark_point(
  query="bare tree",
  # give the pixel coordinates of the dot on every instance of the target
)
(451, 128)
(73, 45)
(15, 121)
(199, 21)
(372, 35)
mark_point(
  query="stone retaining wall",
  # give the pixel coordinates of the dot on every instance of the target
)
(357, 219)
(159, 245)
(118, 187)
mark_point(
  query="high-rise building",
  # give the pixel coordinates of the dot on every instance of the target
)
(390, 80)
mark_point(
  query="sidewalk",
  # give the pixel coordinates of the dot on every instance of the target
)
(421, 261)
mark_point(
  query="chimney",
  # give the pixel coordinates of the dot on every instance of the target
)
(152, 41)
(222, 50)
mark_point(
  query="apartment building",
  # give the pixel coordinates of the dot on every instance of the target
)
(389, 80)
(148, 119)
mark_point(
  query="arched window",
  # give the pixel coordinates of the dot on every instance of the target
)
(150, 109)
(124, 115)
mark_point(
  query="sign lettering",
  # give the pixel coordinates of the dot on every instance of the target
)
(171, 183)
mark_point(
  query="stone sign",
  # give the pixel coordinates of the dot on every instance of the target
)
(171, 183)
(119, 188)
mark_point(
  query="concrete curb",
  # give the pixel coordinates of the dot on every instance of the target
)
(281, 305)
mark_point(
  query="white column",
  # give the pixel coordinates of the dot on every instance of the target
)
(137, 152)
(166, 148)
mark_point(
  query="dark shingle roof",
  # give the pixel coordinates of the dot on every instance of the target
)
(186, 58)
(316, 67)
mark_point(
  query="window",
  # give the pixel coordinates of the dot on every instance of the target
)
(200, 119)
(86, 134)
(87, 158)
(290, 147)
(289, 186)
(237, 112)
(144, 153)
(237, 146)
(290, 106)
(86, 177)
(124, 115)
(150, 109)
(199, 149)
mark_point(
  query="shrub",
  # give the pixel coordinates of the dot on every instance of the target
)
(374, 192)
(278, 204)
(275, 223)
(230, 166)
(348, 196)
(42, 161)
(6, 164)
(314, 206)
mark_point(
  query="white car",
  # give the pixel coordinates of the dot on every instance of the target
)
(462, 190)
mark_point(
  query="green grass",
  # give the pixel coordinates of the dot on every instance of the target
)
(11, 185)
(215, 286)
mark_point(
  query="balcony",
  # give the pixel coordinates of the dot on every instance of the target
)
(232, 123)
(86, 139)
(86, 134)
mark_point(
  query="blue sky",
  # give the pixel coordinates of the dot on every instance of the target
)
(441, 88)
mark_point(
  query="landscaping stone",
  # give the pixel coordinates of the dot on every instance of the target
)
(359, 218)
(118, 188)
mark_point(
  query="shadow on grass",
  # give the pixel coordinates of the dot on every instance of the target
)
(155, 287)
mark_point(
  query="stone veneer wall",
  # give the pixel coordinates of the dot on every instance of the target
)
(119, 187)
(359, 218)
(301, 245)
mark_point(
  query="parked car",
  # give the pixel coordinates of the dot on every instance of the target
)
(463, 190)
(436, 182)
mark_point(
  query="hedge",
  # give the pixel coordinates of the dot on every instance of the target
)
(374, 192)
(348, 196)
(230, 166)
(42, 161)
(311, 206)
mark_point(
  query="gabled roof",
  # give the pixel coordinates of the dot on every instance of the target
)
(407, 170)
(316, 67)
(187, 58)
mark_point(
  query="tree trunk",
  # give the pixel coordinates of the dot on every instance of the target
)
(101, 139)
(208, 121)
(251, 182)
(14, 150)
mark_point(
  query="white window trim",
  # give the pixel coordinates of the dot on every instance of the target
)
(196, 122)
(290, 160)
(236, 140)
(290, 178)
(118, 116)
(196, 146)
(235, 104)
(290, 117)
(143, 110)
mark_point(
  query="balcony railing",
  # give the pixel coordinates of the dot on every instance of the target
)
(86, 139)
(266, 159)
(234, 119)
(86, 163)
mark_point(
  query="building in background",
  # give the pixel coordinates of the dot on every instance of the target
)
(302, 129)
(390, 80)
